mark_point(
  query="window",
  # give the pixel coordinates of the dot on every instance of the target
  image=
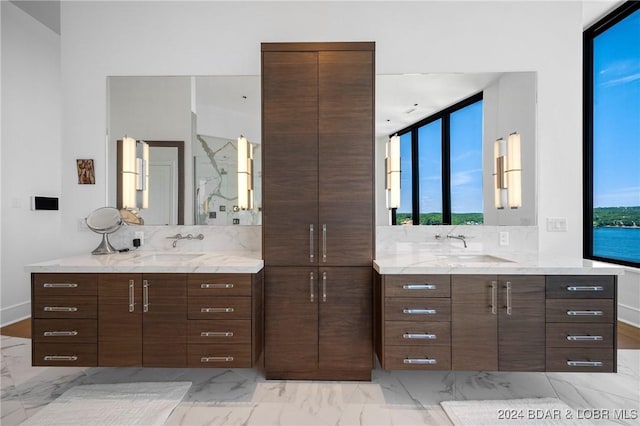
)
(441, 162)
(612, 137)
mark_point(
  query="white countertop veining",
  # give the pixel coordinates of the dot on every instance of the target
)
(414, 259)
(155, 261)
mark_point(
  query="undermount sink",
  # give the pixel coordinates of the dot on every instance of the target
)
(472, 258)
(170, 257)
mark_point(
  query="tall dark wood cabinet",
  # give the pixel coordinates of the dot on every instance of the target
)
(318, 208)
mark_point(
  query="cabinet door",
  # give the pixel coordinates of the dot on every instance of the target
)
(291, 331)
(474, 322)
(345, 299)
(164, 320)
(522, 323)
(345, 161)
(290, 158)
(119, 320)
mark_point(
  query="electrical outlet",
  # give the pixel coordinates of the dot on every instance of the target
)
(556, 224)
(504, 238)
(140, 235)
(82, 225)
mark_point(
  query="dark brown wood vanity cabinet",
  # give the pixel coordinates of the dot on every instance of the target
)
(65, 326)
(318, 214)
(498, 322)
(142, 320)
(581, 319)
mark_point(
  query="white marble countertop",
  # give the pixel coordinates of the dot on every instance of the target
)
(155, 261)
(418, 261)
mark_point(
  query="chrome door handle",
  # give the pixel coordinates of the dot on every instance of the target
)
(585, 363)
(311, 247)
(426, 336)
(585, 313)
(419, 311)
(59, 285)
(216, 310)
(419, 287)
(206, 285)
(60, 333)
(585, 288)
(145, 296)
(216, 334)
(324, 242)
(311, 289)
(132, 302)
(60, 358)
(427, 361)
(509, 309)
(60, 309)
(216, 359)
(585, 338)
(494, 297)
(324, 286)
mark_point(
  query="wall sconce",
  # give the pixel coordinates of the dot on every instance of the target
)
(508, 172)
(135, 174)
(142, 184)
(245, 174)
(392, 170)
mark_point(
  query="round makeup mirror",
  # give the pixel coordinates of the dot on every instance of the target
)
(105, 220)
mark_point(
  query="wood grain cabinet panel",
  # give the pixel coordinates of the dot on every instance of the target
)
(581, 310)
(219, 285)
(580, 287)
(417, 285)
(64, 354)
(62, 284)
(64, 330)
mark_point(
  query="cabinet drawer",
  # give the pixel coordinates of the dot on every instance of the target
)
(580, 310)
(417, 358)
(65, 284)
(65, 354)
(581, 360)
(579, 335)
(418, 309)
(580, 287)
(219, 356)
(417, 285)
(417, 333)
(220, 308)
(65, 330)
(219, 285)
(65, 307)
(219, 331)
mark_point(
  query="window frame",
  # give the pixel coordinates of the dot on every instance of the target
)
(445, 116)
(589, 36)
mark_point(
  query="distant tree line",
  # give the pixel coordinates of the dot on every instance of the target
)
(616, 216)
(436, 219)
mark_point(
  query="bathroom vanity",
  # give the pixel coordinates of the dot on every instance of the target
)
(452, 313)
(148, 310)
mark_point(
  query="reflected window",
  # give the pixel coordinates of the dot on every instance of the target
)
(430, 172)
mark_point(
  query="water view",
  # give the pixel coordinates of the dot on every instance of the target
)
(617, 242)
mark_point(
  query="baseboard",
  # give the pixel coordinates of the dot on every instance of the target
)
(15, 313)
(629, 315)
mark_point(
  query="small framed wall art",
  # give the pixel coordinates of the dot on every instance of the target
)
(86, 173)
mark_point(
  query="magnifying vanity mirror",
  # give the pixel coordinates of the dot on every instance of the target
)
(105, 221)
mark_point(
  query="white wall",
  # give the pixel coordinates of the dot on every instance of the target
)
(31, 153)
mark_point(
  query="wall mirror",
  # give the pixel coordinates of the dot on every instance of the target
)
(508, 105)
(192, 125)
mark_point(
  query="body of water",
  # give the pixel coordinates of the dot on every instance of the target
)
(619, 243)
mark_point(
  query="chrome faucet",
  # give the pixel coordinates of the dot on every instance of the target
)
(459, 237)
(177, 237)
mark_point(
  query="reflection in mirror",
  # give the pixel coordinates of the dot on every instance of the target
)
(508, 105)
(208, 113)
(105, 220)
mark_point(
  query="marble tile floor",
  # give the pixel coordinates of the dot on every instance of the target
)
(244, 397)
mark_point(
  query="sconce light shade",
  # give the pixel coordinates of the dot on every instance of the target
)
(392, 169)
(245, 174)
(500, 188)
(129, 173)
(514, 171)
(143, 174)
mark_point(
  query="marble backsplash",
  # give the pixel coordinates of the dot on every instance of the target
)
(389, 239)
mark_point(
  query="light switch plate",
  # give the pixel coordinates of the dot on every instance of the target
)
(504, 238)
(556, 224)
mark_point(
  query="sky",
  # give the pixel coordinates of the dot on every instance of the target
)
(616, 155)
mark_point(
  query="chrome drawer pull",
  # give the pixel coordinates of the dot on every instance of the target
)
(59, 285)
(311, 288)
(419, 336)
(494, 297)
(509, 308)
(585, 338)
(324, 242)
(428, 361)
(59, 333)
(420, 287)
(585, 313)
(585, 288)
(145, 296)
(216, 359)
(216, 310)
(585, 363)
(60, 309)
(132, 301)
(419, 311)
(60, 358)
(311, 245)
(206, 285)
(216, 334)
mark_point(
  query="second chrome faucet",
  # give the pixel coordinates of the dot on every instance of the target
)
(178, 237)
